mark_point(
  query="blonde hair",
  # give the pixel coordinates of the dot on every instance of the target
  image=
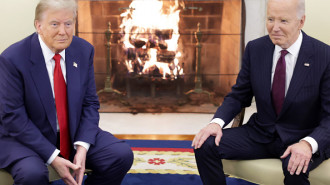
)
(45, 5)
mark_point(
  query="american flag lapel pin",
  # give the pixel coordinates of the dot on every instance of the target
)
(75, 64)
(306, 64)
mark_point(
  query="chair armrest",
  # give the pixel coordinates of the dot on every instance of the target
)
(239, 118)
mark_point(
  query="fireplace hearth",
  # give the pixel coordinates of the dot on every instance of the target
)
(157, 62)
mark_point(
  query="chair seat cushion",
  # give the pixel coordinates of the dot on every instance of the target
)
(269, 171)
(6, 179)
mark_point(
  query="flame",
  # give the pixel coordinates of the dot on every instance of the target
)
(150, 30)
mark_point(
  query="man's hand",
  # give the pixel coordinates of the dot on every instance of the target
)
(301, 154)
(212, 129)
(80, 161)
(62, 167)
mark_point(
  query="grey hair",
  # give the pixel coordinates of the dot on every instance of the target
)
(301, 9)
(45, 5)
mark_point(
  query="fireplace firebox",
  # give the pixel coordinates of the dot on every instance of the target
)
(164, 54)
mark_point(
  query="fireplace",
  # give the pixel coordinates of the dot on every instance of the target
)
(163, 53)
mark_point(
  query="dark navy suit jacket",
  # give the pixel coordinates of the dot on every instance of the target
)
(27, 107)
(306, 108)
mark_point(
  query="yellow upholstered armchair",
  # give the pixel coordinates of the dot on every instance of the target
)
(269, 171)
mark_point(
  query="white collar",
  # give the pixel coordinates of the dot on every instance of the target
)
(49, 54)
(294, 48)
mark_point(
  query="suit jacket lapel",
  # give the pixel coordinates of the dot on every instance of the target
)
(73, 85)
(41, 79)
(300, 71)
(266, 70)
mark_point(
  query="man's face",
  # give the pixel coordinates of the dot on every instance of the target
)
(282, 22)
(56, 29)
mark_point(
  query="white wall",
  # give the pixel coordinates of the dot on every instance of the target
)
(16, 18)
(255, 19)
(317, 22)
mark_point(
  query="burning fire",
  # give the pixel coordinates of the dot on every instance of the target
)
(150, 38)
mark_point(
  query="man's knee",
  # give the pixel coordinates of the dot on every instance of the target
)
(35, 176)
(110, 164)
(206, 148)
(30, 172)
(118, 157)
(293, 179)
(125, 156)
(208, 143)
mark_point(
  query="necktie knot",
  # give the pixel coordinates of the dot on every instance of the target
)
(283, 53)
(57, 58)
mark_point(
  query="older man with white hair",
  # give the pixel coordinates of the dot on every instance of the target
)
(288, 73)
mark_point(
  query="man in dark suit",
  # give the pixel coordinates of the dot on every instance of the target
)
(288, 73)
(49, 107)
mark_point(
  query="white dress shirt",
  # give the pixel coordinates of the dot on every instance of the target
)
(290, 61)
(50, 65)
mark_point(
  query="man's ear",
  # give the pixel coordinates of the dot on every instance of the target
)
(302, 22)
(37, 25)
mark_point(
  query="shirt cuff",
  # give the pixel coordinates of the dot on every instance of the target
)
(53, 156)
(81, 143)
(312, 142)
(218, 121)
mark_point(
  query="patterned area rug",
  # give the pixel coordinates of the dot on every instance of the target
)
(159, 162)
(162, 157)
